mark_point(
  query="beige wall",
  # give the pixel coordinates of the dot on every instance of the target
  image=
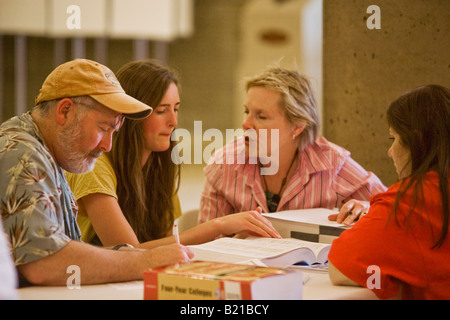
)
(207, 64)
(364, 70)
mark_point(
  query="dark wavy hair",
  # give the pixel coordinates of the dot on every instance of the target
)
(421, 118)
(145, 194)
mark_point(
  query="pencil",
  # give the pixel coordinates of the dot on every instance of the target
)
(176, 234)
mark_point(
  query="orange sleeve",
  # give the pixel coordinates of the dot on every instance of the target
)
(378, 240)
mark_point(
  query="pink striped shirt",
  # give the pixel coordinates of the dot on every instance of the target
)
(326, 176)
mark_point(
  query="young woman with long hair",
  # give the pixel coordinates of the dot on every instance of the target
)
(405, 233)
(131, 195)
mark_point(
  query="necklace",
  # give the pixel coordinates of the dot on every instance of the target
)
(274, 199)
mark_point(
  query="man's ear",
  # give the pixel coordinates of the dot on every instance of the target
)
(64, 108)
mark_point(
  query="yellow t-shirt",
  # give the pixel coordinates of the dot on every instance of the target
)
(102, 179)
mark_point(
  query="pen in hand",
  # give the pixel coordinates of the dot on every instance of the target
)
(176, 233)
(177, 240)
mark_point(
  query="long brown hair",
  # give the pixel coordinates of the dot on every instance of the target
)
(421, 118)
(145, 194)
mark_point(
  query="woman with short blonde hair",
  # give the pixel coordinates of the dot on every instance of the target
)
(309, 170)
(297, 99)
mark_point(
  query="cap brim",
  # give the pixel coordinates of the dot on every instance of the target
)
(125, 104)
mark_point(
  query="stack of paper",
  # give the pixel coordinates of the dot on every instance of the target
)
(307, 224)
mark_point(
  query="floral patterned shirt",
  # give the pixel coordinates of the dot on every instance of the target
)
(37, 207)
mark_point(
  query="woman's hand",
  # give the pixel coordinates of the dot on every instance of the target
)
(249, 223)
(350, 212)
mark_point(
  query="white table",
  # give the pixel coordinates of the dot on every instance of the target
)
(317, 287)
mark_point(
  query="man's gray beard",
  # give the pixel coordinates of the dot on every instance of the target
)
(68, 140)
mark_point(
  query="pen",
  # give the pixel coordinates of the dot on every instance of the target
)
(175, 233)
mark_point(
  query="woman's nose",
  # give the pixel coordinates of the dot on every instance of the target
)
(247, 123)
(173, 119)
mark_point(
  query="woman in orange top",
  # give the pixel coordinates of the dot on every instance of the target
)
(402, 245)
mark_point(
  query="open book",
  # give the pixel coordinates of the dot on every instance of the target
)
(271, 252)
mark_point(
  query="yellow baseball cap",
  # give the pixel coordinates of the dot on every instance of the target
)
(83, 77)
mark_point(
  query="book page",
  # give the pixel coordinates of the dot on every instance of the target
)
(256, 248)
(317, 216)
(209, 255)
